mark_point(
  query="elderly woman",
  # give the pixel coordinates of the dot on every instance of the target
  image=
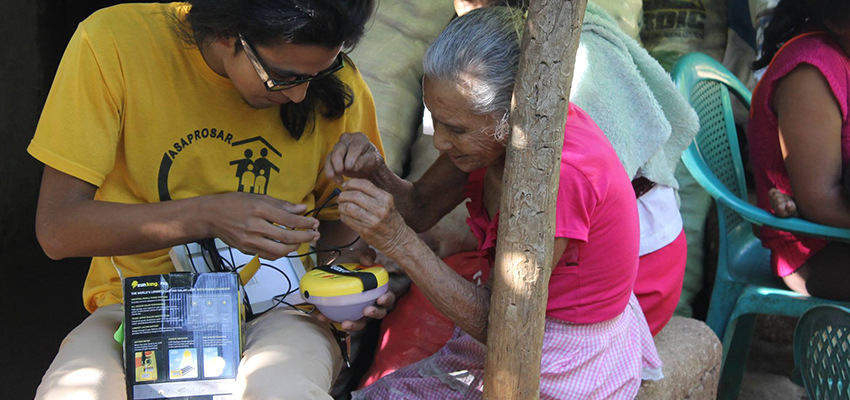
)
(596, 343)
(634, 101)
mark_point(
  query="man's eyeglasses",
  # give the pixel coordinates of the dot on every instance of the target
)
(274, 85)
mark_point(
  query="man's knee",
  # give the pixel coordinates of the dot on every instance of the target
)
(89, 363)
(288, 355)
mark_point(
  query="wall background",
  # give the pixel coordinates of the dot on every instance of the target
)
(40, 299)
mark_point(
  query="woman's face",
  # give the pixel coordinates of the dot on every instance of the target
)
(466, 137)
(465, 6)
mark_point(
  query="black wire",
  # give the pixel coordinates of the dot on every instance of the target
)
(208, 246)
(189, 254)
(327, 247)
(279, 299)
(316, 210)
(233, 261)
(311, 252)
(321, 207)
(332, 247)
(216, 257)
(230, 266)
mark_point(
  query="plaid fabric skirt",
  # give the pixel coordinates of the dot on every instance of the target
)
(606, 360)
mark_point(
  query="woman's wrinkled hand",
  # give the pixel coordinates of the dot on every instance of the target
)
(258, 224)
(353, 156)
(382, 306)
(371, 213)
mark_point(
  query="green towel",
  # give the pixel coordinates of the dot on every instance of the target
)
(632, 99)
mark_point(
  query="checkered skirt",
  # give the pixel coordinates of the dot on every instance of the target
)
(606, 360)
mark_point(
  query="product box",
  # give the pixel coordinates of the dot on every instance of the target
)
(182, 335)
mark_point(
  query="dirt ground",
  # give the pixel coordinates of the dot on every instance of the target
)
(771, 362)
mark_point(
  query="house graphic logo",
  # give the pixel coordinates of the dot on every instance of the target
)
(254, 170)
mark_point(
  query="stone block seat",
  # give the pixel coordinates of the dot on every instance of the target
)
(691, 354)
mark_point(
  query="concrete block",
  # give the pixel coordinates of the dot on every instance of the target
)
(691, 354)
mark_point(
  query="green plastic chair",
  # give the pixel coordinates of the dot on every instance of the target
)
(822, 352)
(745, 284)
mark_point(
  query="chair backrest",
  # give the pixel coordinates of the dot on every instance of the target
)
(706, 85)
(822, 352)
(715, 155)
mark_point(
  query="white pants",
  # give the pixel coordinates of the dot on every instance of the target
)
(288, 355)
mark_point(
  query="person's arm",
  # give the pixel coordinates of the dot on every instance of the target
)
(71, 223)
(422, 203)
(465, 303)
(371, 212)
(426, 201)
(810, 137)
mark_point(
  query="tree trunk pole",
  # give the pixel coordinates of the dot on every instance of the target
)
(530, 189)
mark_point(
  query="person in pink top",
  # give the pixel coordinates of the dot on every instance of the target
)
(799, 136)
(597, 344)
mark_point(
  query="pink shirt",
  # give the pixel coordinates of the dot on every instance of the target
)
(596, 210)
(819, 49)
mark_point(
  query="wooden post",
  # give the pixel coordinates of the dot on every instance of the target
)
(529, 191)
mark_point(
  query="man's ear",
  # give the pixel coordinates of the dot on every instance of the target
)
(229, 44)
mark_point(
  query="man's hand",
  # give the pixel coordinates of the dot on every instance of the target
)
(353, 156)
(258, 224)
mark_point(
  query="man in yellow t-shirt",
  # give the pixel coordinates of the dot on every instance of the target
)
(171, 123)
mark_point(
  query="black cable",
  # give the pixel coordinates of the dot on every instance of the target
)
(233, 261)
(217, 259)
(189, 254)
(327, 247)
(311, 252)
(208, 246)
(279, 299)
(316, 210)
(320, 208)
(245, 300)
(230, 266)
(332, 247)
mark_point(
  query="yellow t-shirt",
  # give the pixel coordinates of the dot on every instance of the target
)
(136, 111)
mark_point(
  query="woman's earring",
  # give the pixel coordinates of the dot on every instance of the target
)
(503, 128)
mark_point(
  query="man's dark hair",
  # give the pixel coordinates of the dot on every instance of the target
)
(791, 17)
(326, 23)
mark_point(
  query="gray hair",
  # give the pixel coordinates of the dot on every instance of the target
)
(480, 51)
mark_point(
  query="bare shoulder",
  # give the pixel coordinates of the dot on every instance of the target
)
(804, 88)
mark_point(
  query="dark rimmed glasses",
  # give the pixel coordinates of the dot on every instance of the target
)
(274, 85)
